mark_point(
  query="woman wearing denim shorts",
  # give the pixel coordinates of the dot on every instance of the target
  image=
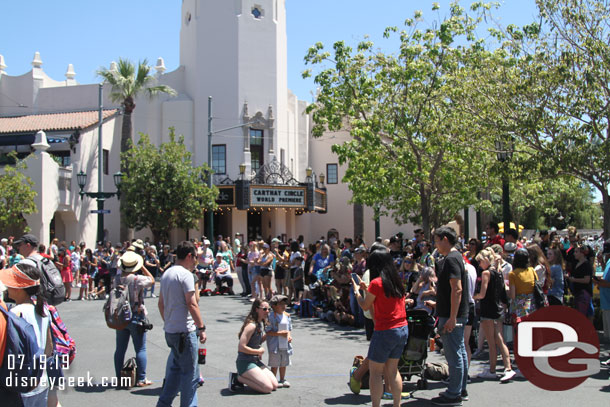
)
(387, 295)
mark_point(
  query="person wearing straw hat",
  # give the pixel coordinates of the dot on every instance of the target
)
(130, 263)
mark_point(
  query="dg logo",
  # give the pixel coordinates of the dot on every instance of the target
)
(557, 348)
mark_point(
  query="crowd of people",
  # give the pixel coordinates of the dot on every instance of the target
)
(478, 286)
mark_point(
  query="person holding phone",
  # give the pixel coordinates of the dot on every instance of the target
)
(386, 295)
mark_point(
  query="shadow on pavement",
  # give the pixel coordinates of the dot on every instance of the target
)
(348, 400)
(148, 391)
(228, 393)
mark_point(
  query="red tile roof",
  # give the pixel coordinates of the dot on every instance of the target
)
(52, 122)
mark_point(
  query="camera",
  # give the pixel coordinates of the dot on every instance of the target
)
(143, 325)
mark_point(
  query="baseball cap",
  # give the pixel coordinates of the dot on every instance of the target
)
(510, 246)
(27, 238)
(275, 240)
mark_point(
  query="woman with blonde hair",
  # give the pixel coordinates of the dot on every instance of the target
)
(265, 262)
(492, 299)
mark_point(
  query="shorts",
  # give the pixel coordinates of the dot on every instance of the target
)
(254, 271)
(244, 365)
(279, 359)
(265, 271)
(388, 344)
(470, 321)
(280, 273)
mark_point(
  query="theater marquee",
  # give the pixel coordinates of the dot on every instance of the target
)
(295, 197)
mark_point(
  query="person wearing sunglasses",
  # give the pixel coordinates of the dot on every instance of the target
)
(250, 369)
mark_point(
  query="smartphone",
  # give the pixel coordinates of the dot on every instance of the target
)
(356, 278)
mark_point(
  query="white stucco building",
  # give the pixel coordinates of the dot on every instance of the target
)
(234, 51)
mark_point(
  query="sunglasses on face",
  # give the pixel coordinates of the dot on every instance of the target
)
(265, 308)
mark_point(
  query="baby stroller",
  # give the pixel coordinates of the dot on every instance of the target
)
(413, 359)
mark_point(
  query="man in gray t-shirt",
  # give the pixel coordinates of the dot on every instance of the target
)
(183, 328)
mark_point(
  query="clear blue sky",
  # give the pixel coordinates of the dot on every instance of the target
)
(90, 34)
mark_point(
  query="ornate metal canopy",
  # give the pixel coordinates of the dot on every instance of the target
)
(274, 173)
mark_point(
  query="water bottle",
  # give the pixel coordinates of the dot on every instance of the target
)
(202, 353)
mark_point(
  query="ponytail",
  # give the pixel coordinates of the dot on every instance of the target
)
(34, 291)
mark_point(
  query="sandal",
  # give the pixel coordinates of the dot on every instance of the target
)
(143, 383)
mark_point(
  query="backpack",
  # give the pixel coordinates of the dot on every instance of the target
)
(22, 361)
(52, 283)
(117, 309)
(436, 371)
(306, 310)
(128, 373)
(64, 343)
(540, 299)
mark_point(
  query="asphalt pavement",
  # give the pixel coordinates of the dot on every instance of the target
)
(323, 354)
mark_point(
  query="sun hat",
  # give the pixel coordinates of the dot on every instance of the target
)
(15, 278)
(130, 262)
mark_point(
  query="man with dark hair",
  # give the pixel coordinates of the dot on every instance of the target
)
(452, 310)
(493, 237)
(512, 236)
(183, 327)
(347, 248)
(544, 240)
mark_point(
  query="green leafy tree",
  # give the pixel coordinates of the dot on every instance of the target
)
(548, 83)
(16, 197)
(162, 190)
(127, 84)
(411, 151)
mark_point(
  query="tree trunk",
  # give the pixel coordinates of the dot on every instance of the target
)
(606, 211)
(425, 210)
(126, 233)
(358, 220)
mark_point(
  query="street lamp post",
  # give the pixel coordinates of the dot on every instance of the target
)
(504, 151)
(100, 196)
(81, 177)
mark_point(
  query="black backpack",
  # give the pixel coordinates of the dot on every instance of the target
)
(52, 283)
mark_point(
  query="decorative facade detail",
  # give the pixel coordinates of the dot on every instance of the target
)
(274, 173)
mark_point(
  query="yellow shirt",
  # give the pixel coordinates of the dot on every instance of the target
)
(523, 280)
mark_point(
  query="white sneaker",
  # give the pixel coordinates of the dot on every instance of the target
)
(284, 383)
(508, 374)
(486, 374)
(280, 385)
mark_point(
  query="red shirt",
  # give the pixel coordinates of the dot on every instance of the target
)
(389, 312)
(497, 239)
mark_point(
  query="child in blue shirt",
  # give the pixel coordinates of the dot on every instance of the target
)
(279, 339)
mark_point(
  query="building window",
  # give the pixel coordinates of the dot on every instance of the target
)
(219, 158)
(256, 149)
(105, 166)
(332, 174)
(61, 157)
(282, 156)
(257, 12)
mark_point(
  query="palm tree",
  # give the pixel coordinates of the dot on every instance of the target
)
(127, 85)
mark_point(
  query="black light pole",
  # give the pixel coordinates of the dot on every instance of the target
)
(504, 151)
(81, 178)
